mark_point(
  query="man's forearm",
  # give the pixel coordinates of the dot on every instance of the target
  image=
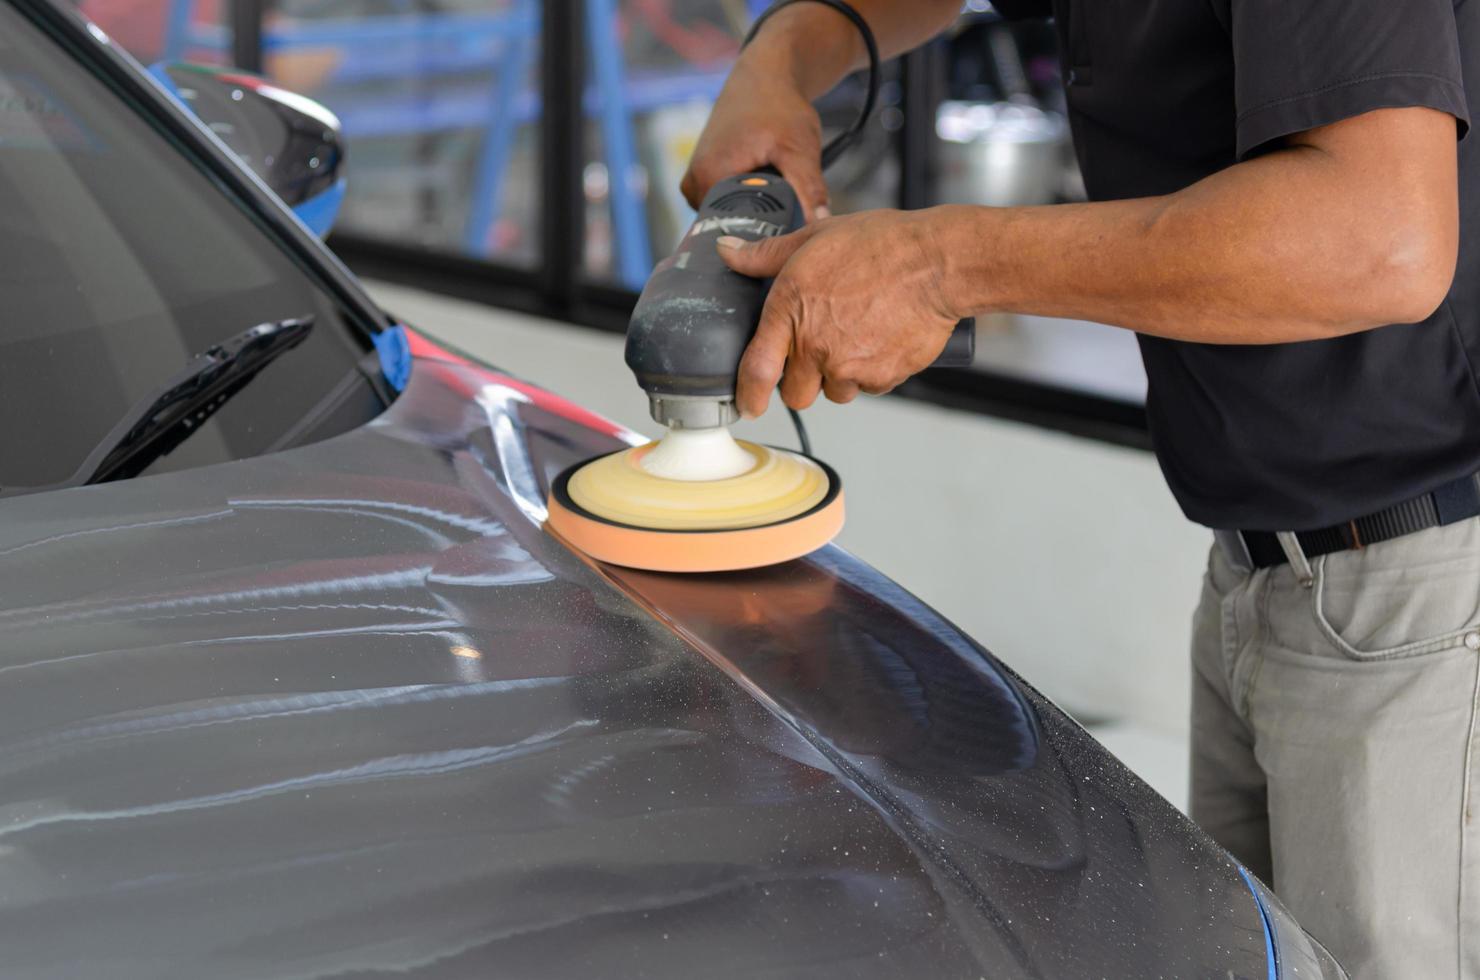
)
(817, 46)
(1291, 246)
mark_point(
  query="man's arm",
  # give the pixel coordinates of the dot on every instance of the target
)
(817, 46)
(1342, 228)
(764, 113)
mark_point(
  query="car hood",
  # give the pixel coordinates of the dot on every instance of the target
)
(348, 710)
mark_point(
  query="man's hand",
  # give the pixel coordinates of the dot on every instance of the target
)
(764, 114)
(857, 305)
(760, 118)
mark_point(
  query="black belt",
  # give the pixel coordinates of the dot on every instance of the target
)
(1449, 504)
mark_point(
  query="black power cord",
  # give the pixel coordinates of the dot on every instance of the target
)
(849, 136)
(802, 439)
(840, 143)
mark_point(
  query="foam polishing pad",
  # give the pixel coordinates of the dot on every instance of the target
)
(615, 510)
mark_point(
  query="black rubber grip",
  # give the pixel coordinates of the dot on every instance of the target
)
(960, 349)
(696, 316)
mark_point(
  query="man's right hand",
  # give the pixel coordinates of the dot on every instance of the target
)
(764, 114)
(761, 117)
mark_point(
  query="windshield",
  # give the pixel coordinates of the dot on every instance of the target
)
(119, 262)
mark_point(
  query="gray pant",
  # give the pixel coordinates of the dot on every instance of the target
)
(1333, 745)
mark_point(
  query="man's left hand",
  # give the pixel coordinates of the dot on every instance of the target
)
(857, 305)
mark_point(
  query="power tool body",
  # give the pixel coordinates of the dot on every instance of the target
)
(698, 500)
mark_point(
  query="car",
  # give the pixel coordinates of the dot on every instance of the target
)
(294, 682)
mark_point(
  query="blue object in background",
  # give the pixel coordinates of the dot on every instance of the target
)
(498, 140)
(506, 41)
(629, 213)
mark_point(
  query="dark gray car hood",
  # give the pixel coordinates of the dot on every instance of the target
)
(348, 711)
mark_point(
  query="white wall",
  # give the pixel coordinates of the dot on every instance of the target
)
(1066, 557)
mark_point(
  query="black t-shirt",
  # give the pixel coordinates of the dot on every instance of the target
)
(1165, 92)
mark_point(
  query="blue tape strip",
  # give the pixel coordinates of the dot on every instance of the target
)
(319, 211)
(1273, 967)
(395, 356)
(160, 71)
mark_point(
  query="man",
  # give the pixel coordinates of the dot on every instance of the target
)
(1281, 204)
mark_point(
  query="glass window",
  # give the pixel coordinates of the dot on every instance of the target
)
(165, 30)
(654, 69)
(119, 262)
(1001, 138)
(440, 106)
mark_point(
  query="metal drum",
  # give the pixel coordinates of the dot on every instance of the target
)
(999, 153)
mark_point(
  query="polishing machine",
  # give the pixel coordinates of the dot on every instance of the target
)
(698, 500)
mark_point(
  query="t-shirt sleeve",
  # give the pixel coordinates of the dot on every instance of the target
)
(1300, 64)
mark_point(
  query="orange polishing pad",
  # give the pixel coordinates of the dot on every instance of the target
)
(785, 507)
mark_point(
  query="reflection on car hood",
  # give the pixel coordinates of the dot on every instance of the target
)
(348, 710)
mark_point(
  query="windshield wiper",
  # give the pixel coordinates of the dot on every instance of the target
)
(177, 408)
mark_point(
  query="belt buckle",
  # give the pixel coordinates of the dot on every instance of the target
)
(1235, 549)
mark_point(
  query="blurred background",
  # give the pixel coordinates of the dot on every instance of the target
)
(537, 145)
(513, 176)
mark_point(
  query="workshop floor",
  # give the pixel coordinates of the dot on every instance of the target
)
(1093, 611)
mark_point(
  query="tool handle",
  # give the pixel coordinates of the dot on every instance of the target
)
(695, 316)
(960, 349)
